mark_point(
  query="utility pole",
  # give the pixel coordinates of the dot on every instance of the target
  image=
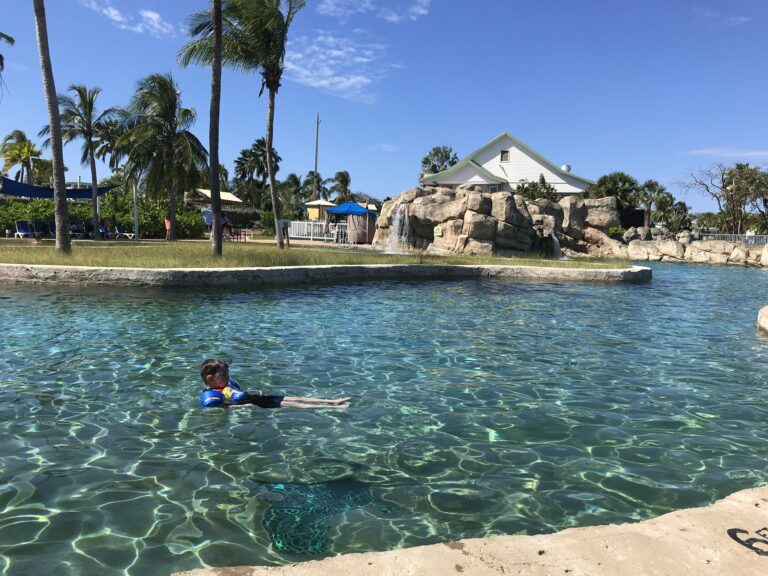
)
(315, 195)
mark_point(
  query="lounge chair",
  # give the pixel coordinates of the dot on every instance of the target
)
(41, 228)
(120, 233)
(23, 230)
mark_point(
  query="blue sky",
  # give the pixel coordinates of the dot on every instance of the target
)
(654, 88)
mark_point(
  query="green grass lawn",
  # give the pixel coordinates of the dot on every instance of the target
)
(197, 254)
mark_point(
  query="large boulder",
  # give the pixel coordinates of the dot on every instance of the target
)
(425, 216)
(764, 257)
(709, 251)
(478, 247)
(446, 236)
(480, 203)
(479, 226)
(600, 245)
(656, 250)
(509, 236)
(574, 213)
(546, 214)
(602, 213)
(510, 208)
(762, 318)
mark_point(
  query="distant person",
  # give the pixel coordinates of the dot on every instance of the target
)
(167, 227)
(221, 390)
(226, 227)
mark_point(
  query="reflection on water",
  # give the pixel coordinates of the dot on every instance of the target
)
(478, 408)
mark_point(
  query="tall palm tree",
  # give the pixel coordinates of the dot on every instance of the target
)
(81, 121)
(61, 211)
(340, 187)
(108, 134)
(18, 150)
(255, 34)
(159, 143)
(213, 134)
(293, 196)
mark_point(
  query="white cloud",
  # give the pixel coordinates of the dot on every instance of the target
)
(343, 9)
(720, 18)
(345, 67)
(147, 21)
(388, 10)
(726, 152)
(384, 148)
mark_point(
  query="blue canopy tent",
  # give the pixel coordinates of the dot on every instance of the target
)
(361, 222)
(13, 188)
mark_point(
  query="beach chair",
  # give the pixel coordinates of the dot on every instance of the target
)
(23, 230)
(41, 229)
(120, 233)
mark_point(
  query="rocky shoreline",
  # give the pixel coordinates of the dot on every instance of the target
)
(468, 221)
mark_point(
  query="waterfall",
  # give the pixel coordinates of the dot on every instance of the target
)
(399, 232)
(557, 253)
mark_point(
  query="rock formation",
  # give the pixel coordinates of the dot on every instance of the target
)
(469, 221)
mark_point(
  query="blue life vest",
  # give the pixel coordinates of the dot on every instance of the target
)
(230, 394)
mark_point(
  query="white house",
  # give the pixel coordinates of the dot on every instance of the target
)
(504, 163)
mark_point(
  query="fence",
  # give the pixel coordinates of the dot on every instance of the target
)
(752, 239)
(319, 231)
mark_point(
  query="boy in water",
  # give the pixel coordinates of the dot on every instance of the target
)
(220, 390)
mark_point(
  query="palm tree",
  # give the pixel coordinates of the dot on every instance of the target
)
(80, 121)
(18, 150)
(619, 184)
(213, 134)
(61, 211)
(438, 159)
(308, 185)
(252, 162)
(158, 142)
(9, 40)
(341, 182)
(292, 196)
(108, 134)
(648, 195)
(255, 33)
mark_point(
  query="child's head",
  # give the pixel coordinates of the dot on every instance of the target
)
(214, 372)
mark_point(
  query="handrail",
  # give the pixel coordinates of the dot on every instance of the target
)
(752, 239)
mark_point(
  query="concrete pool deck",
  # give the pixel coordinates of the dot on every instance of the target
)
(296, 275)
(728, 538)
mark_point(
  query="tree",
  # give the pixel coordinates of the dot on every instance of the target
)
(213, 146)
(61, 210)
(10, 41)
(251, 165)
(536, 190)
(255, 34)
(308, 186)
(648, 195)
(159, 143)
(619, 184)
(438, 159)
(108, 134)
(292, 197)
(80, 121)
(731, 187)
(340, 187)
(18, 150)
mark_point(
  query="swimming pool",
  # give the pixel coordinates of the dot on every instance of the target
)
(480, 408)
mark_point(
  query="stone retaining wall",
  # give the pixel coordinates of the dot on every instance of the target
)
(294, 275)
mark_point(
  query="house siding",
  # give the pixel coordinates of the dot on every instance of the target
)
(523, 166)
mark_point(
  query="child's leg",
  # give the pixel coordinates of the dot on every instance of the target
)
(316, 400)
(305, 405)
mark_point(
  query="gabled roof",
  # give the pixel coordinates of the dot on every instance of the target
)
(469, 160)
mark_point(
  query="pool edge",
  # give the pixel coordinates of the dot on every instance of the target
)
(292, 275)
(711, 540)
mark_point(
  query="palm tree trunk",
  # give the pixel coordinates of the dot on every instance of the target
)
(172, 213)
(95, 194)
(270, 169)
(213, 145)
(61, 211)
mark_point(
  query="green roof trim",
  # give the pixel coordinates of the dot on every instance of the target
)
(469, 160)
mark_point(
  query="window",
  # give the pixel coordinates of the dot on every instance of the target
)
(504, 156)
(493, 188)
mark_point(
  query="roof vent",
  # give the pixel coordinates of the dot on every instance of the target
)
(565, 167)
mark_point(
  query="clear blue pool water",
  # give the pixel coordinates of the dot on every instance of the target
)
(480, 408)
